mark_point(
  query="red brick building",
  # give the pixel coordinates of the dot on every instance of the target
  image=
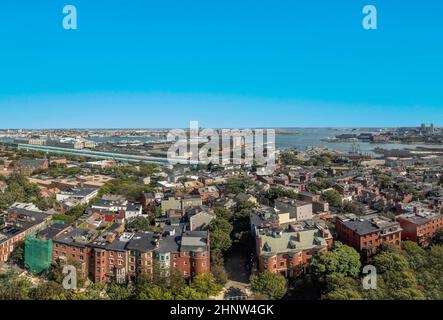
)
(289, 252)
(367, 234)
(19, 223)
(32, 165)
(420, 227)
(127, 256)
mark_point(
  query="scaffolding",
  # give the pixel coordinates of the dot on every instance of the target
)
(38, 255)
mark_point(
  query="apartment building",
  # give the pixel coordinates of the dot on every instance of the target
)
(19, 222)
(420, 227)
(122, 256)
(367, 234)
(289, 251)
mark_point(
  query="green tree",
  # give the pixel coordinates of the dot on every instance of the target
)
(176, 281)
(220, 224)
(353, 207)
(220, 240)
(188, 293)
(333, 198)
(18, 254)
(272, 285)
(50, 290)
(150, 291)
(223, 213)
(206, 284)
(141, 224)
(238, 185)
(342, 260)
(95, 291)
(342, 287)
(219, 273)
(343, 294)
(116, 291)
(13, 287)
(290, 159)
(320, 185)
(398, 278)
(384, 180)
(19, 190)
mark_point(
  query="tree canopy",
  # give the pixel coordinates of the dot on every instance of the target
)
(272, 285)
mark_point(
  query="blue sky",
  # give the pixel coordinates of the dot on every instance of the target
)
(231, 63)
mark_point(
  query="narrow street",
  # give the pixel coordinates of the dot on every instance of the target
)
(238, 268)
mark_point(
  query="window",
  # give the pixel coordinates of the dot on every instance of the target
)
(120, 262)
(120, 254)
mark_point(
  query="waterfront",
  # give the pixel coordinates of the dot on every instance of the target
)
(301, 139)
(289, 138)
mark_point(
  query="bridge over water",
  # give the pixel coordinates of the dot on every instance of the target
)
(102, 155)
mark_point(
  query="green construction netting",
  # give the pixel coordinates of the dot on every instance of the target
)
(38, 254)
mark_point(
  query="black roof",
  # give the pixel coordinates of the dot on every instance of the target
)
(142, 241)
(52, 231)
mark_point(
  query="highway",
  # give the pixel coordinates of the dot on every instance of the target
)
(101, 155)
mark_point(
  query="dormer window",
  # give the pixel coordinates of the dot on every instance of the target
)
(292, 244)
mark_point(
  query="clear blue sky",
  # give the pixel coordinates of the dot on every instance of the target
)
(230, 63)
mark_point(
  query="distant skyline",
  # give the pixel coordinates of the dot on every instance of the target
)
(287, 63)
